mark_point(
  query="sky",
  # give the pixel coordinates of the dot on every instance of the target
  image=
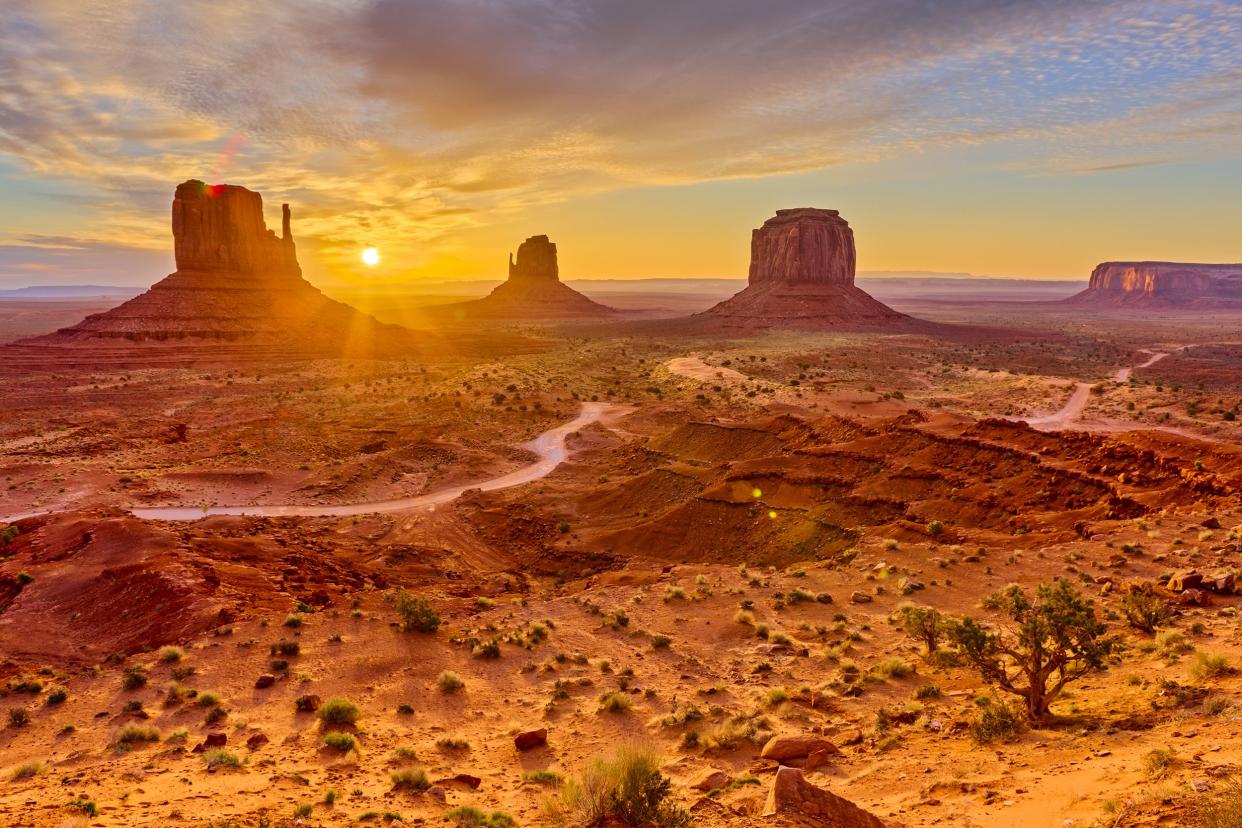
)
(1030, 138)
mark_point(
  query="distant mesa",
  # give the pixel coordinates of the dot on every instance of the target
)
(1163, 285)
(236, 281)
(802, 265)
(533, 291)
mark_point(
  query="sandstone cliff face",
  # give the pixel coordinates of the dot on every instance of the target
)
(221, 227)
(802, 275)
(536, 260)
(1163, 284)
(803, 245)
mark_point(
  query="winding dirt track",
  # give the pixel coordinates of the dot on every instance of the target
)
(1074, 406)
(550, 446)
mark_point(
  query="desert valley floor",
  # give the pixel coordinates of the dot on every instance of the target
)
(719, 559)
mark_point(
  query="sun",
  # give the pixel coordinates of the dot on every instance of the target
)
(370, 257)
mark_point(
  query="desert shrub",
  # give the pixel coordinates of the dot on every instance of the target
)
(927, 691)
(449, 682)
(19, 717)
(660, 641)
(58, 695)
(1206, 667)
(487, 649)
(996, 722)
(1158, 762)
(86, 806)
(416, 614)
(293, 621)
(1144, 610)
(615, 702)
(338, 711)
(1221, 808)
(221, 759)
(923, 624)
(892, 668)
(471, 816)
(171, 655)
(410, 779)
(627, 786)
(304, 810)
(935, 528)
(133, 733)
(288, 649)
(452, 743)
(542, 777)
(340, 740)
(1051, 641)
(207, 699)
(28, 771)
(134, 677)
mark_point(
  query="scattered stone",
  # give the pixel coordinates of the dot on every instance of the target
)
(783, 748)
(308, 703)
(531, 739)
(713, 780)
(792, 794)
(858, 597)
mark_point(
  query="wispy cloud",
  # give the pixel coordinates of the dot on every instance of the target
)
(405, 121)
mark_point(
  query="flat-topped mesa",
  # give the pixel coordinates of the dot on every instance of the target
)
(220, 227)
(1164, 284)
(536, 259)
(802, 275)
(803, 245)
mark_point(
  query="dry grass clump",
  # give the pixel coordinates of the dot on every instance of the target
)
(627, 786)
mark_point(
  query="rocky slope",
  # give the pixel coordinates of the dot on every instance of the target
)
(1163, 284)
(802, 275)
(532, 291)
(236, 281)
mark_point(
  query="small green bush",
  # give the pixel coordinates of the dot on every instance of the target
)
(411, 779)
(338, 711)
(339, 740)
(416, 614)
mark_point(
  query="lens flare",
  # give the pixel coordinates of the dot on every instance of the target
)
(370, 257)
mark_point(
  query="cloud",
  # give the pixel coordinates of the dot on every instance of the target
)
(407, 121)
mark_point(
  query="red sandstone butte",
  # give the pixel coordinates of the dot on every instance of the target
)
(236, 281)
(533, 291)
(802, 265)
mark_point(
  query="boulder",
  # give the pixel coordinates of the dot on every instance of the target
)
(791, 794)
(264, 681)
(256, 741)
(859, 597)
(712, 780)
(1182, 581)
(531, 739)
(784, 748)
(216, 739)
(308, 703)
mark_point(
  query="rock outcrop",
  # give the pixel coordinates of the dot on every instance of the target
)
(792, 795)
(802, 265)
(1163, 285)
(536, 261)
(533, 291)
(236, 281)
